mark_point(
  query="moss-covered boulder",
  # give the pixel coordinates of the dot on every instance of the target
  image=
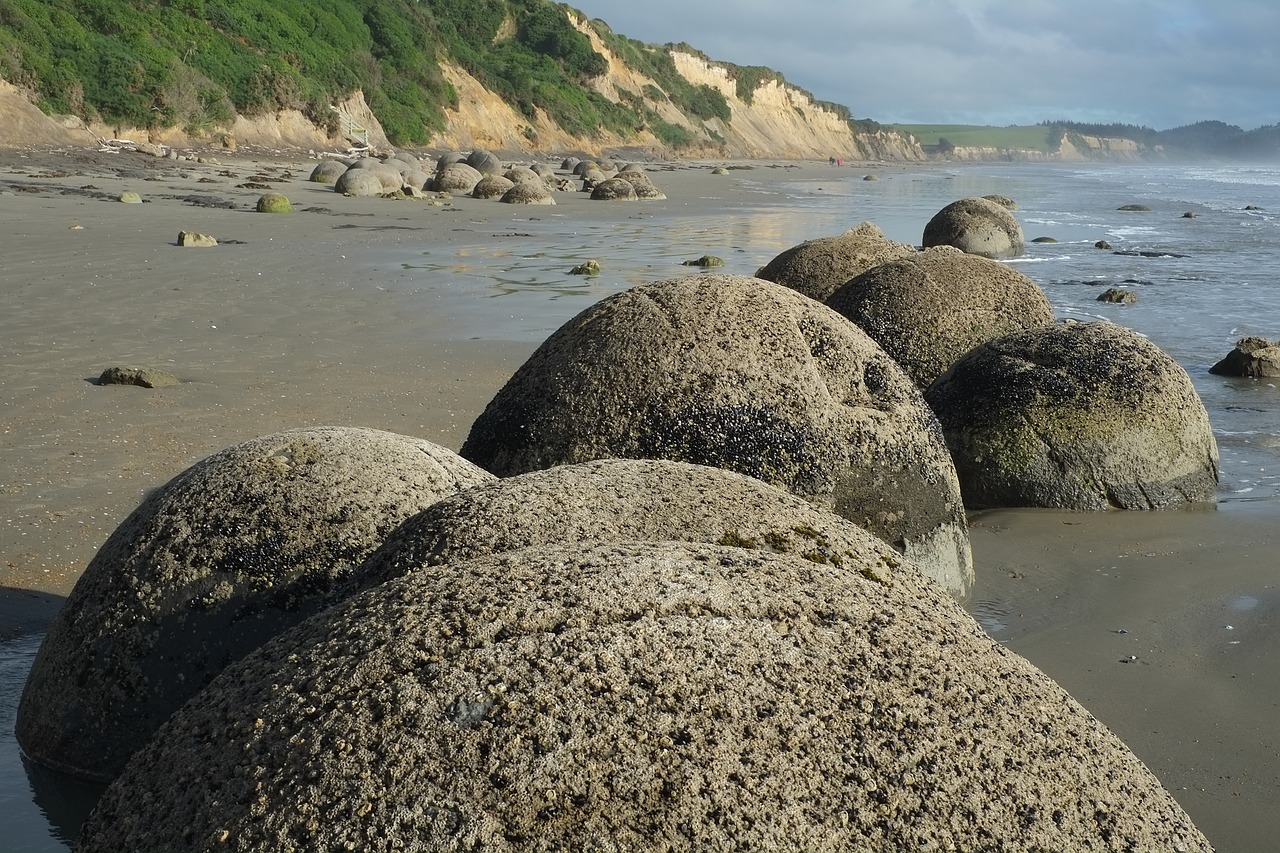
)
(819, 267)
(638, 696)
(226, 555)
(978, 226)
(929, 308)
(738, 373)
(273, 203)
(1085, 416)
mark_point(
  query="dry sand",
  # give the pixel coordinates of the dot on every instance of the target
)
(282, 326)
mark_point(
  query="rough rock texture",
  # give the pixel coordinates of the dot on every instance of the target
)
(638, 696)
(614, 189)
(1252, 356)
(817, 268)
(388, 175)
(978, 226)
(931, 307)
(528, 193)
(615, 500)
(642, 183)
(144, 377)
(1086, 416)
(491, 186)
(358, 182)
(327, 171)
(485, 162)
(522, 174)
(738, 373)
(457, 178)
(226, 555)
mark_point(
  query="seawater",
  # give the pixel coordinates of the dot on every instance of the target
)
(1217, 279)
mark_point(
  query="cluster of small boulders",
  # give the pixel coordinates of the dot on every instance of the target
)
(482, 174)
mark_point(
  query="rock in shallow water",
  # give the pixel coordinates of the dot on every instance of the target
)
(1087, 416)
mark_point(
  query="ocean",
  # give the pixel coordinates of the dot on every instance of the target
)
(1202, 283)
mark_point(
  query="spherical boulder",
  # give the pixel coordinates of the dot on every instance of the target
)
(638, 696)
(415, 178)
(327, 171)
(528, 193)
(273, 203)
(448, 158)
(642, 184)
(544, 171)
(522, 174)
(457, 178)
(388, 175)
(617, 500)
(485, 162)
(229, 553)
(929, 308)
(738, 373)
(1083, 416)
(978, 226)
(614, 189)
(358, 182)
(817, 268)
(491, 186)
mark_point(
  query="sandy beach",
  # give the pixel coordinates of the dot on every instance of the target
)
(1160, 623)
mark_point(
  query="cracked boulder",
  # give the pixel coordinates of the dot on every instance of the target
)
(931, 307)
(224, 556)
(738, 373)
(1083, 416)
(638, 696)
(617, 500)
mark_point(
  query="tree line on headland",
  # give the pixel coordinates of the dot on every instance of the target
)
(195, 65)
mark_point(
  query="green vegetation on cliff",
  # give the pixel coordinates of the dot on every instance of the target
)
(194, 63)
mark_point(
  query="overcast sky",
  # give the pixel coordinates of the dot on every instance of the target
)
(1159, 63)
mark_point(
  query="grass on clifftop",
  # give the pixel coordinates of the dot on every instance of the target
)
(1026, 137)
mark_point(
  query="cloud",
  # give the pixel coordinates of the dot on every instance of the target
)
(1160, 63)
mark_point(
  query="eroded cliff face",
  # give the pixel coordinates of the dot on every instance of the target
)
(1072, 148)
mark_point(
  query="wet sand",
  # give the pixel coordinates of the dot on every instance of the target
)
(283, 326)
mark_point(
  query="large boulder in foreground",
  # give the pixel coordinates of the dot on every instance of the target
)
(1084, 416)
(931, 307)
(817, 268)
(616, 500)
(638, 696)
(978, 226)
(738, 373)
(224, 556)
